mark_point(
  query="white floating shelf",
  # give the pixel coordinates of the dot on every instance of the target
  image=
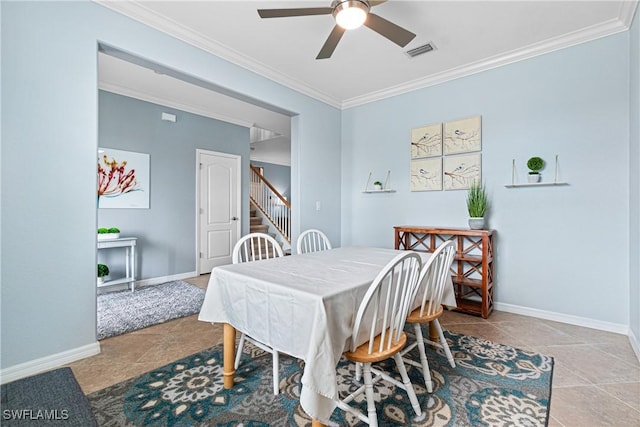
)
(536, 184)
(385, 187)
(379, 191)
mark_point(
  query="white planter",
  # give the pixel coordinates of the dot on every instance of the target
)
(476, 223)
(100, 280)
(534, 177)
(108, 236)
(378, 187)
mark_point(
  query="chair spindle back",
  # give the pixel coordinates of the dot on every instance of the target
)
(254, 247)
(433, 278)
(387, 303)
(312, 240)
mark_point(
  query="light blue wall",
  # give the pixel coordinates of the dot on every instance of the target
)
(634, 165)
(550, 241)
(166, 231)
(559, 249)
(49, 143)
(278, 175)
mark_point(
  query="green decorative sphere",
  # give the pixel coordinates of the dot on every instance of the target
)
(535, 164)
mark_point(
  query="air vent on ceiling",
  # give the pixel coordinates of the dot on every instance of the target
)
(421, 49)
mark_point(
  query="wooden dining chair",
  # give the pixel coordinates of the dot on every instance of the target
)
(312, 240)
(255, 247)
(431, 284)
(380, 320)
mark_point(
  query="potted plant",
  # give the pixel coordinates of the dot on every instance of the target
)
(535, 165)
(377, 185)
(477, 204)
(103, 271)
(108, 233)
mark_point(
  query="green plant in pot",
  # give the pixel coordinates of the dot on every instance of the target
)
(535, 165)
(105, 233)
(477, 204)
(377, 185)
(103, 271)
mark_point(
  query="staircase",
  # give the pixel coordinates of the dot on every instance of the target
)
(273, 206)
(256, 225)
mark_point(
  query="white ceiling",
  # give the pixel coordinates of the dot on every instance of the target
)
(469, 36)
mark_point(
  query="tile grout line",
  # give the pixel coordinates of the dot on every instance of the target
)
(616, 397)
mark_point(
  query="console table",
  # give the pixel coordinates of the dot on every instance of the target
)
(472, 269)
(129, 244)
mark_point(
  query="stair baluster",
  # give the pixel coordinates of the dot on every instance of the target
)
(271, 203)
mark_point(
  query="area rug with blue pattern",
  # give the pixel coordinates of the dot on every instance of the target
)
(491, 385)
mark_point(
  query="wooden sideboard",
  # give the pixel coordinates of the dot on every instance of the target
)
(472, 269)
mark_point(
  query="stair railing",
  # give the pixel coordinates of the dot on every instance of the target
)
(271, 203)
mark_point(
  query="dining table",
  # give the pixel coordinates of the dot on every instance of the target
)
(300, 305)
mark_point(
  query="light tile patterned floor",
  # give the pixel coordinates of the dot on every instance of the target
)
(596, 380)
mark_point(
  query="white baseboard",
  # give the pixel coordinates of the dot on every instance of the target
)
(152, 282)
(564, 318)
(164, 279)
(46, 363)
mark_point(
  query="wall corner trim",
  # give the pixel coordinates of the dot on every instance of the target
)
(635, 344)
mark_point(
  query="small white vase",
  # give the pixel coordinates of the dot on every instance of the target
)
(534, 177)
(476, 223)
(378, 187)
(100, 280)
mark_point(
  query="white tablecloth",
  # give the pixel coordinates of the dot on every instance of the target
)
(301, 305)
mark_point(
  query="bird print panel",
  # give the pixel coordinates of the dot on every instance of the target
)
(426, 174)
(461, 171)
(426, 141)
(463, 136)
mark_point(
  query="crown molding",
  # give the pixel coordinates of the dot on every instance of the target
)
(608, 28)
(137, 11)
(627, 11)
(168, 102)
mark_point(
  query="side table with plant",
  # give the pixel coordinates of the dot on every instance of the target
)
(477, 204)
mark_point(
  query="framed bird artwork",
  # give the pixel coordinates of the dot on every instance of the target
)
(463, 136)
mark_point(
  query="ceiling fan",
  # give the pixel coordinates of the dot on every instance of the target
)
(349, 14)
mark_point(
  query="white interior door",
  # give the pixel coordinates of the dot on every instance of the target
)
(219, 208)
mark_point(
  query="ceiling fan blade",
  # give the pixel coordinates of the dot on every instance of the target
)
(331, 43)
(388, 29)
(283, 13)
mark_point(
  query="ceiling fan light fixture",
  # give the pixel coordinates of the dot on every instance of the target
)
(350, 14)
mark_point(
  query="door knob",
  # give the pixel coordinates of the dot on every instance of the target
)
(235, 218)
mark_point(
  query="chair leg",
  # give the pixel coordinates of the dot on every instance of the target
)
(239, 351)
(445, 346)
(368, 389)
(358, 371)
(423, 358)
(276, 379)
(407, 384)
